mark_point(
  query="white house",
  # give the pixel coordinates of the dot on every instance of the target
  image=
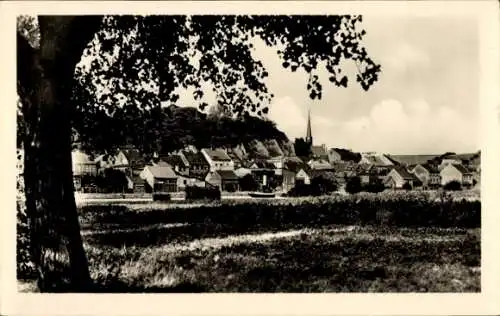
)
(218, 159)
(160, 178)
(449, 161)
(302, 176)
(83, 164)
(397, 178)
(118, 161)
(456, 172)
(428, 174)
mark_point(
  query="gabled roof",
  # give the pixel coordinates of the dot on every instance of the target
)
(227, 174)
(133, 156)
(195, 158)
(404, 173)
(162, 172)
(462, 169)
(174, 160)
(262, 164)
(217, 155)
(430, 167)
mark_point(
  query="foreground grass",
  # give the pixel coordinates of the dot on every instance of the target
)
(311, 246)
(330, 259)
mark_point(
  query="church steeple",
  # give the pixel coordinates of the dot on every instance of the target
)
(309, 138)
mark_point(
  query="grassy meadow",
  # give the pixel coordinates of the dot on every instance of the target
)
(330, 244)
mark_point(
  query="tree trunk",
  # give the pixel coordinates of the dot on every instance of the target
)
(56, 244)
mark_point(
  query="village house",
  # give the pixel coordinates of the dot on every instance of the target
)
(83, 165)
(449, 161)
(116, 161)
(319, 152)
(178, 163)
(128, 160)
(398, 176)
(456, 172)
(184, 181)
(198, 165)
(290, 167)
(160, 178)
(370, 174)
(218, 160)
(263, 171)
(226, 180)
(303, 176)
(428, 174)
(138, 185)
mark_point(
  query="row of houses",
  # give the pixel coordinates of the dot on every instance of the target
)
(225, 167)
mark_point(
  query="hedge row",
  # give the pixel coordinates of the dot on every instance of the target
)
(201, 193)
(402, 212)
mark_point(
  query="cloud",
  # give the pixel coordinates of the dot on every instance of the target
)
(395, 128)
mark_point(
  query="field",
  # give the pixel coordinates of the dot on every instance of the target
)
(341, 244)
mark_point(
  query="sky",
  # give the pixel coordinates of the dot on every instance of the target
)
(426, 100)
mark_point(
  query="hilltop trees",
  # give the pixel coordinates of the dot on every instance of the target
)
(133, 63)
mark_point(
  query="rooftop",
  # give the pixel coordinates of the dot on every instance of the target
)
(162, 172)
(227, 174)
(217, 155)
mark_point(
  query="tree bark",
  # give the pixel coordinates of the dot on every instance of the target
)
(45, 82)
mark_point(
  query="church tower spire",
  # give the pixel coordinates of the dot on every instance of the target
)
(309, 138)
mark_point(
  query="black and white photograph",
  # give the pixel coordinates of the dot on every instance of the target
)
(177, 152)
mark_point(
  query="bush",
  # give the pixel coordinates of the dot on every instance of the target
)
(301, 189)
(161, 197)
(353, 185)
(201, 193)
(248, 183)
(407, 186)
(375, 187)
(453, 186)
(324, 184)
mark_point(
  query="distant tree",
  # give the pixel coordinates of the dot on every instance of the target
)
(302, 148)
(353, 185)
(324, 184)
(453, 186)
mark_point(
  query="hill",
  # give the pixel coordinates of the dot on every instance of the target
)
(171, 128)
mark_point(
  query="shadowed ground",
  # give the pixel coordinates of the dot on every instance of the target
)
(144, 250)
